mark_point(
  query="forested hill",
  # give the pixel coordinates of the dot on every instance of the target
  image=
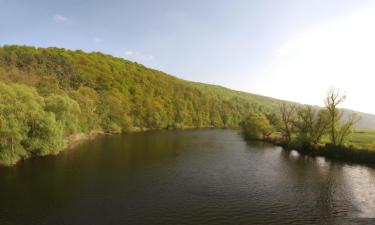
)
(48, 94)
(121, 94)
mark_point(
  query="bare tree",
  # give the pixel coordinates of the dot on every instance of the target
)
(287, 112)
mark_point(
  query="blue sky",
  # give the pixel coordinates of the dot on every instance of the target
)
(287, 49)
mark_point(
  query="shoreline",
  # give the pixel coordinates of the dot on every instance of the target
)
(336, 153)
(75, 140)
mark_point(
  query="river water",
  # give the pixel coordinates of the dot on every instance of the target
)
(184, 177)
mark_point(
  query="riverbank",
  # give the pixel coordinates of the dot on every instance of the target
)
(338, 153)
(74, 140)
(69, 143)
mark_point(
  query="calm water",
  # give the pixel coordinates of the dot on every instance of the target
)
(184, 177)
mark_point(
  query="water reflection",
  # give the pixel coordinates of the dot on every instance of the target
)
(184, 177)
(339, 189)
(360, 184)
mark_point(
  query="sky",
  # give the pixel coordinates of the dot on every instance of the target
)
(288, 49)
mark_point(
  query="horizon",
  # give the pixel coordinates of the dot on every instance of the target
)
(260, 48)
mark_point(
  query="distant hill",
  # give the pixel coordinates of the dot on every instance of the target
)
(367, 120)
(269, 104)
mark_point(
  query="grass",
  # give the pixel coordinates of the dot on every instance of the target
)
(360, 139)
(364, 139)
(360, 147)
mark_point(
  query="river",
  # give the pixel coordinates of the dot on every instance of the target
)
(184, 177)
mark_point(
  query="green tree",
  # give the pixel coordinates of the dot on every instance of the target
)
(88, 100)
(287, 112)
(25, 128)
(275, 120)
(256, 126)
(45, 135)
(311, 124)
(339, 132)
(113, 112)
(67, 112)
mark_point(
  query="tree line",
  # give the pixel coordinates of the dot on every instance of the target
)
(48, 95)
(303, 127)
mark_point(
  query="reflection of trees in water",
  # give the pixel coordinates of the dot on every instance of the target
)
(327, 194)
(259, 145)
(360, 181)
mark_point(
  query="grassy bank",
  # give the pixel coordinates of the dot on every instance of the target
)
(360, 149)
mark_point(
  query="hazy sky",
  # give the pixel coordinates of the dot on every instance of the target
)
(289, 49)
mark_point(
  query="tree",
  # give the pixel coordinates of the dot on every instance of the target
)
(25, 128)
(287, 112)
(311, 124)
(256, 126)
(338, 132)
(45, 136)
(275, 120)
(88, 100)
(12, 132)
(113, 112)
(48, 85)
(346, 129)
(67, 112)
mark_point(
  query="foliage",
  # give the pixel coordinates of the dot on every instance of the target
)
(117, 95)
(25, 127)
(66, 111)
(256, 126)
(311, 124)
(287, 114)
(275, 120)
(339, 131)
(65, 92)
(81, 92)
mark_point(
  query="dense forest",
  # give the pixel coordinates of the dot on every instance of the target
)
(48, 95)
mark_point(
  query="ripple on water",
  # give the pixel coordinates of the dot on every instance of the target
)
(209, 177)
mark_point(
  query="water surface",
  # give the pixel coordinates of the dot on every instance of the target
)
(184, 177)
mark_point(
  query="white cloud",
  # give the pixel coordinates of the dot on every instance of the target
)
(60, 18)
(339, 53)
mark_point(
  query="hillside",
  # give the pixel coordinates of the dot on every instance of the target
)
(367, 120)
(49, 94)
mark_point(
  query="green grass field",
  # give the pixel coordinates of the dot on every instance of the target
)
(360, 139)
(363, 139)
